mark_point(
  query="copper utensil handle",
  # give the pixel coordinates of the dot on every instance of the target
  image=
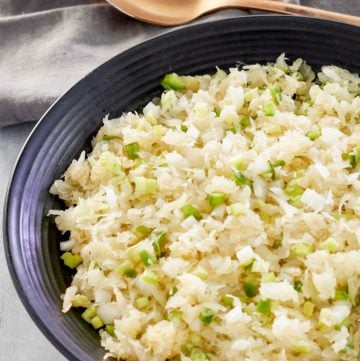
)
(285, 8)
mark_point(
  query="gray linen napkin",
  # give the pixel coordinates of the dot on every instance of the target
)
(47, 46)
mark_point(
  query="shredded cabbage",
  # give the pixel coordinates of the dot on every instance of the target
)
(222, 223)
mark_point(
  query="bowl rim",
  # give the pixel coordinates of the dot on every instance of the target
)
(45, 120)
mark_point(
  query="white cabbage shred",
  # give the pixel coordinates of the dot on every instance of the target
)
(271, 270)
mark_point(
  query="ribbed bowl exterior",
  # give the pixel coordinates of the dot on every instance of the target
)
(126, 83)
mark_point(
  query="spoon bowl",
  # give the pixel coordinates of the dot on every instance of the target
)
(176, 12)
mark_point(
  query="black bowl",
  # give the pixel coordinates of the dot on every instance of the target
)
(126, 83)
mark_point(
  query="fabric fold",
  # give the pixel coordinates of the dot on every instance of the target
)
(47, 46)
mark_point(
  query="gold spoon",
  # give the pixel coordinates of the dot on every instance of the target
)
(176, 12)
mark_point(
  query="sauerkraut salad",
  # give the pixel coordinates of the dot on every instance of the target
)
(222, 223)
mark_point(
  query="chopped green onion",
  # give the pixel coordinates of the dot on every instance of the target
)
(264, 306)
(172, 291)
(146, 258)
(298, 286)
(276, 94)
(158, 130)
(302, 249)
(110, 329)
(142, 231)
(227, 301)
(157, 249)
(142, 302)
(108, 137)
(278, 163)
(111, 163)
(240, 179)
(97, 322)
(202, 111)
(71, 260)
(356, 152)
(80, 301)
(137, 163)
(251, 94)
(195, 339)
(265, 217)
(308, 309)
(159, 236)
(245, 122)
(206, 316)
(198, 355)
(126, 269)
(353, 157)
(150, 277)
(347, 348)
(131, 150)
(175, 314)
(117, 170)
(250, 289)
(269, 108)
(309, 101)
(216, 199)
(243, 299)
(158, 241)
(271, 172)
(352, 160)
(145, 185)
(130, 273)
(268, 277)
(217, 111)
(295, 201)
(336, 215)
(302, 347)
(249, 265)
(201, 272)
(344, 323)
(173, 81)
(89, 314)
(187, 348)
(329, 245)
(313, 134)
(341, 295)
(184, 128)
(189, 210)
(276, 244)
(293, 190)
